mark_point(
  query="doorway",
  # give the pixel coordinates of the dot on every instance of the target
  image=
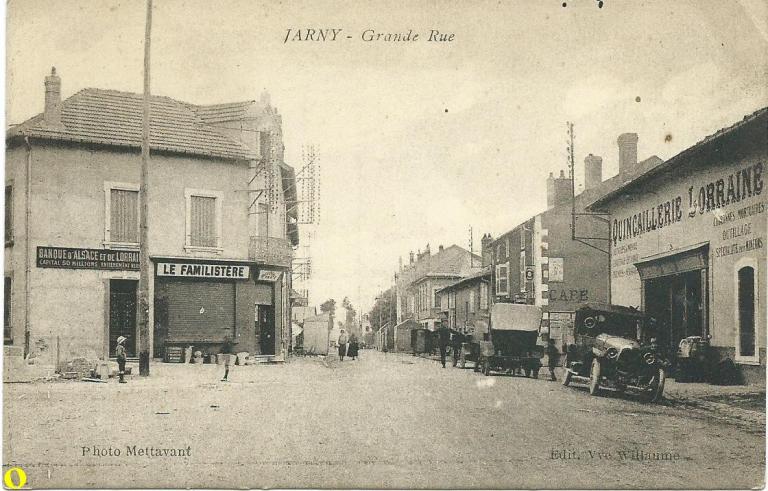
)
(265, 328)
(122, 314)
(676, 302)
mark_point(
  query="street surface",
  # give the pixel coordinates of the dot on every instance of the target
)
(386, 420)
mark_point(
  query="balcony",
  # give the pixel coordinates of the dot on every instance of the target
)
(270, 250)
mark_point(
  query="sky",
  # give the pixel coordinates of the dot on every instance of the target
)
(418, 141)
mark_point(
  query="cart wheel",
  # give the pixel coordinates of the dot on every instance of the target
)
(657, 387)
(567, 377)
(594, 377)
(462, 362)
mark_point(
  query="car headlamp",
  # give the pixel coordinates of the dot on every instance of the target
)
(612, 353)
(649, 358)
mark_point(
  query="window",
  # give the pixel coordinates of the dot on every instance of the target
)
(7, 329)
(746, 343)
(471, 304)
(501, 252)
(203, 220)
(122, 214)
(8, 215)
(502, 281)
(483, 296)
(522, 271)
(203, 224)
(436, 298)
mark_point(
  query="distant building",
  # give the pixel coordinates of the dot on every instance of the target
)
(466, 302)
(539, 262)
(688, 244)
(220, 248)
(417, 282)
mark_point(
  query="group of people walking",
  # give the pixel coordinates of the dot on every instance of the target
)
(348, 345)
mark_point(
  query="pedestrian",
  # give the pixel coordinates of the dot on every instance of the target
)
(443, 339)
(121, 358)
(456, 341)
(342, 345)
(354, 346)
(226, 350)
(553, 357)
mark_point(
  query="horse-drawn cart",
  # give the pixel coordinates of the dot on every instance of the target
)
(511, 346)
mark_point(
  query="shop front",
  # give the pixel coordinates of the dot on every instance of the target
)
(674, 292)
(207, 304)
(688, 246)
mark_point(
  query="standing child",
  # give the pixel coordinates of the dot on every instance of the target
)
(226, 350)
(553, 357)
(121, 358)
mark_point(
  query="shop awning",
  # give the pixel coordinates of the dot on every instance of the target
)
(675, 261)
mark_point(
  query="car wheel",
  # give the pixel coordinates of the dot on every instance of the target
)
(594, 377)
(567, 377)
(657, 388)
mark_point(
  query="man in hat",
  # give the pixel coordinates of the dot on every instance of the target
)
(121, 357)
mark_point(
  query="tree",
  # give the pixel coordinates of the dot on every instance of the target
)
(328, 306)
(383, 310)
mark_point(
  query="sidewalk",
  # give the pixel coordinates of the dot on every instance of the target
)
(740, 404)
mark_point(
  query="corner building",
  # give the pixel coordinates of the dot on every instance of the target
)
(222, 225)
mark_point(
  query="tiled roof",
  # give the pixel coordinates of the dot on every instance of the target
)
(485, 273)
(450, 262)
(677, 159)
(218, 113)
(111, 117)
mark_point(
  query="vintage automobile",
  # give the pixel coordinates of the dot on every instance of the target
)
(511, 344)
(614, 347)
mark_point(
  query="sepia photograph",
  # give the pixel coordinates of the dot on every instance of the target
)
(391, 244)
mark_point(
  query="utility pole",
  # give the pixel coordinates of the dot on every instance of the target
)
(145, 266)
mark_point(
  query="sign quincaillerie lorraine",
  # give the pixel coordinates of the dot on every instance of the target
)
(81, 258)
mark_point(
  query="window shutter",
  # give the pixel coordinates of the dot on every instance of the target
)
(203, 222)
(124, 216)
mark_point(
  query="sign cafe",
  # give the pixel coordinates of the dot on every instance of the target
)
(191, 270)
(733, 188)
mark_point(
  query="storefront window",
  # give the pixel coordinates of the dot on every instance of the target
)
(746, 305)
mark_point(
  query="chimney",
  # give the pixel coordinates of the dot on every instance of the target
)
(426, 251)
(52, 111)
(627, 151)
(559, 190)
(485, 249)
(440, 248)
(593, 171)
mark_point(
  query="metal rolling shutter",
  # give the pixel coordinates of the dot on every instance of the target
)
(200, 311)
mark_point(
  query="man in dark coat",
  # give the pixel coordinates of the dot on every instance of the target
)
(553, 357)
(443, 339)
(456, 340)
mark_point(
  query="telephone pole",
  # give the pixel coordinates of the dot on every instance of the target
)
(145, 265)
